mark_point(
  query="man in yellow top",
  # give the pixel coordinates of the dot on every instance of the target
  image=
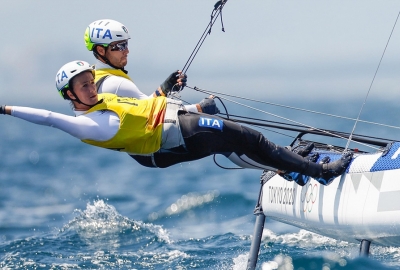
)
(108, 40)
(138, 127)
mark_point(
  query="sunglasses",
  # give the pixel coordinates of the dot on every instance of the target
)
(122, 46)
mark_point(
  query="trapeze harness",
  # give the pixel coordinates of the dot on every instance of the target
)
(163, 158)
(140, 127)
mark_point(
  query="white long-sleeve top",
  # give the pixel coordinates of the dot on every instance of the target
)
(119, 86)
(123, 87)
(98, 125)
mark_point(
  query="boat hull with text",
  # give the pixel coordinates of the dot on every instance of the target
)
(362, 204)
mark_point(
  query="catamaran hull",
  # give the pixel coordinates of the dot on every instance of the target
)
(362, 204)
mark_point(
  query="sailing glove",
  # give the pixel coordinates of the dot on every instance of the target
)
(171, 83)
(3, 109)
(208, 106)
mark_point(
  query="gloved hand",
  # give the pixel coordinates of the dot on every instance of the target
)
(305, 150)
(174, 82)
(3, 109)
(332, 170)
(208, 106)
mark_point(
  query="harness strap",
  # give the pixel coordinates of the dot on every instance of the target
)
(99, 82)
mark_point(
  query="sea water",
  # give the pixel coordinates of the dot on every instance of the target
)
(67, 205)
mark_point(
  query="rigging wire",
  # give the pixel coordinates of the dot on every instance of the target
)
(284, 118)
(291, 107)
(215, 93)
(373, 79)
(217, 11)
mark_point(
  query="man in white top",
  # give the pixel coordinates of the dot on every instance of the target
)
(108, 40)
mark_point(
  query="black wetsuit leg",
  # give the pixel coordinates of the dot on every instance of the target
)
(209, 134)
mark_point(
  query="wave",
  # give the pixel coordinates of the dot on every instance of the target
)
(99, 237)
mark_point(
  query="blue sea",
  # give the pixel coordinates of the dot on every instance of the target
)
(67, 205)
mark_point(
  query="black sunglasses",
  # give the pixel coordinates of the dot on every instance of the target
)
(122, 46)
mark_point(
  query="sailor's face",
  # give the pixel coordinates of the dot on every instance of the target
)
(85, 88)
(118, 56)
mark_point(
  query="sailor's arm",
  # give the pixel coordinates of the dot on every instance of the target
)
(121, 87)
(126, 88)
(92, 126)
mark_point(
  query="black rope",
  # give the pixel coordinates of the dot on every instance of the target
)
(226, 110)
(214, 15)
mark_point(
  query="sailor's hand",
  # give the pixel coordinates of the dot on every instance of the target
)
(208, 106)
(304, 151)
(3, 109)
(175, 82)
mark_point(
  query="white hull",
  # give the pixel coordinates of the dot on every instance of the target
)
(363, 203)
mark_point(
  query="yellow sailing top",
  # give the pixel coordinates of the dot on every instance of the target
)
(141, 121)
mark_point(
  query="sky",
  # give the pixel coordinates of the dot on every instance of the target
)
(270, 50)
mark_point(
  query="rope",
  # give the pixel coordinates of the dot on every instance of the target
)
(214, 15)
(370, 86)
(291, 107)
(278, 116)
